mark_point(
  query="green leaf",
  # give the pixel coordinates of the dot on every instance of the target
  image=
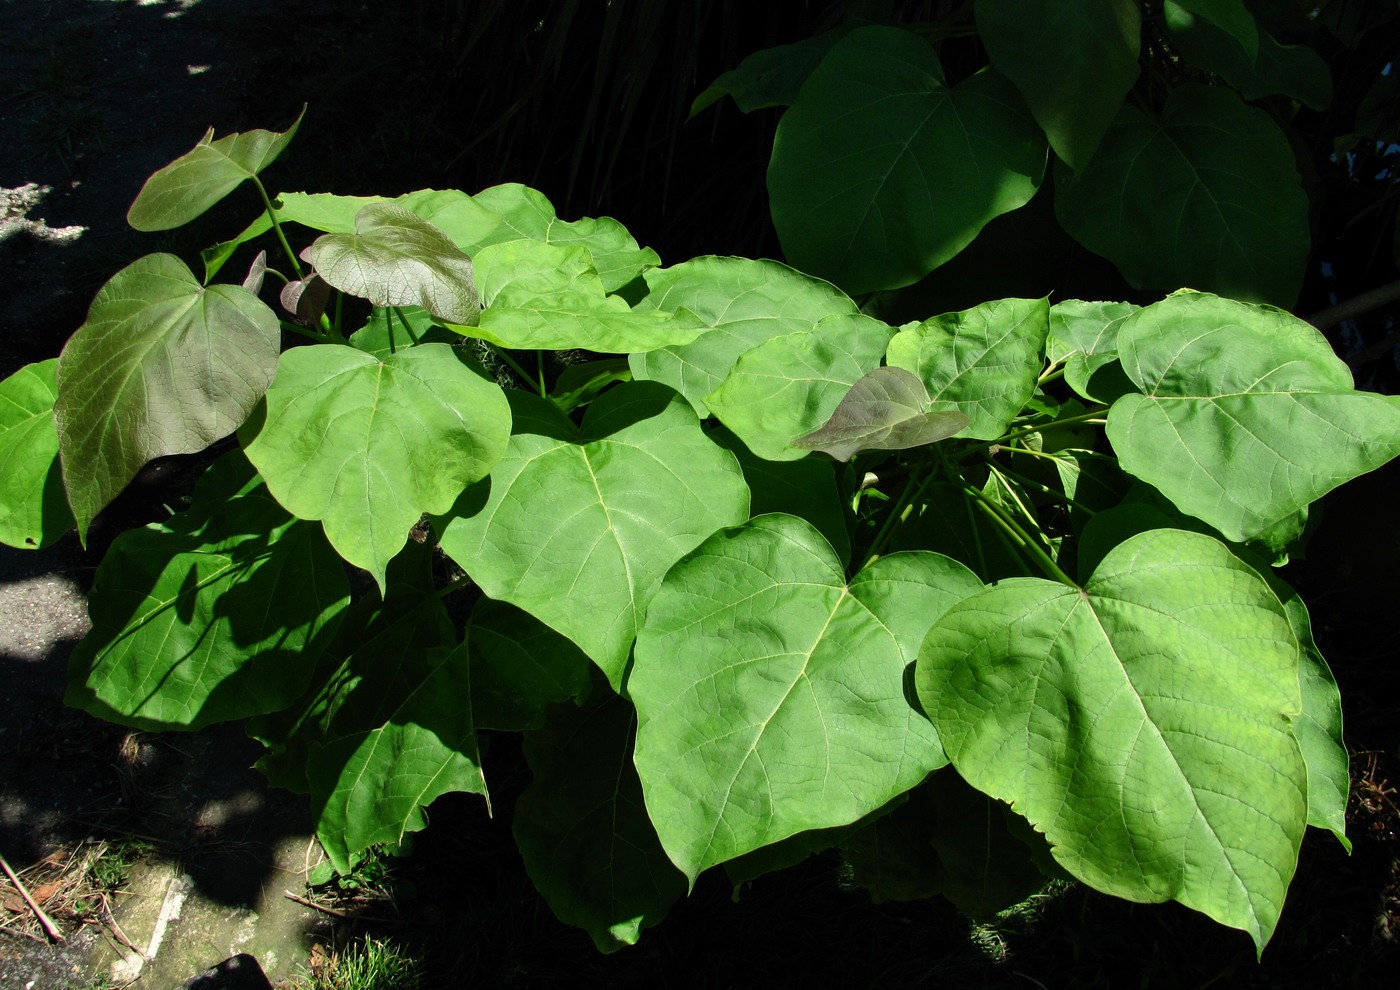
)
(886, 409)
(396, 258)
(881, 172)
(583, 830)
(370, 787)
(1143, 723)
(1230, 17)
(982, 362)
(577, 527)
(543, 296)
(771, 77)
(1073, 62)
(1084, 335)
(771, 694)
(384, 333)
(219, 615)
(1246, 415)
(205, 174)
(160, 366)
(368, 446)
(1207, 197)
(789, 386)
(33, 507)
(520, 667)
(1295, 71)
(743, 303)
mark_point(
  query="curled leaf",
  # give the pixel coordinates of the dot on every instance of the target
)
(306, 298)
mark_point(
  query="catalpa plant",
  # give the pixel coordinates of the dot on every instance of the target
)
(976, 600)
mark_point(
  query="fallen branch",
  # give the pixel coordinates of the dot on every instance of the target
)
(319, 907)
(50, 929)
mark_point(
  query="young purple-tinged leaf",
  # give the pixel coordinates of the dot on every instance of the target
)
(583, 830)
(256, 271)
(771, 693)
(33, 509)
(1097, 712)
(161, 366)
(305, 298)
(396, 258)
(886, 409)
(207, 173)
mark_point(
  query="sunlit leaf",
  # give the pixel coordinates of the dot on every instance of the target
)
(33, 509)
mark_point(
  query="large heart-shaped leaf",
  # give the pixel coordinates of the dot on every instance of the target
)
(886, 409)
(1246, 415)
(544, 296)
(982, 362)
(743, 303)
(1207, 197)
(1295, 71)
(33, 509)
(583, 830)
(161, 366)
(396, 258)
(220, 615)
(881, 172)
(577, 527)
(1073, 61)
(789, 386)
(370, 786)
(771, 693)
(1098, 714)
(205, 174)
(367, 446)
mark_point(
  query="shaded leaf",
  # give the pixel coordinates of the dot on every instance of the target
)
(305, 298)
(771, 694)
(1097, 713)
(772, 77)
(886, 409)
(1207, 197)
(577, 525)
(1295, 71)
(368, 446)
(33, 508)
(161, 366)
(205, 174)
(520, 667)
(881, 172)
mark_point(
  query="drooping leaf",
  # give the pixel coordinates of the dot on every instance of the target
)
(577, 526)
(743, 303)
(787, 387)
(205, 174)
(1245, 414)
(583, 830)
(771, 694)
(371, 786)
(33, 509)
(881, 172)
(1073, 62)
(396, 258)
(982, 362)
(1295, 71)
(579, 384)
(160, 366)
(1207, 197)
(1098, 714)
(886, 409)
(772, 77)
(520, 667)
(218, 615)
(543, 296)
(368, 446)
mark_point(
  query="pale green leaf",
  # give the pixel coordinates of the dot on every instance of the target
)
(1084, 335)
(789, 386)
(881, 172)
(886, 409)
(1073, 62)
(205, 174)
(1143, 723)
(982, 362)
(160, 366)
(368, 446)
(33, 508)
(742, 303)
(771, 694)
(583, 830)
(1207, 197)
(396, 258)
(1246, 415)
(577, 526)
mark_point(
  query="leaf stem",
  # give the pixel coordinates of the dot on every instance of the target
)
(281, 237)
(1003, 519)
(1095, 416)
(520, 372)
(899, 511)
(295, 328)
(1058, 495)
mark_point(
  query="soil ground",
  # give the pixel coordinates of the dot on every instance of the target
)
(99, 93)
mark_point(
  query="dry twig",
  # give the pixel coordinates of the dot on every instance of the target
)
(50, 929)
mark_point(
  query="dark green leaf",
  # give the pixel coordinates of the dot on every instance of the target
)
(520, 667)
(1292, 70)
